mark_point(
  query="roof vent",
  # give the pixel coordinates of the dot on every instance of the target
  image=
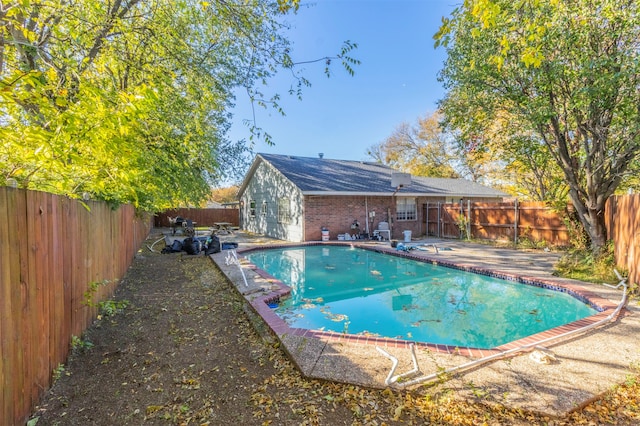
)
(320, 154)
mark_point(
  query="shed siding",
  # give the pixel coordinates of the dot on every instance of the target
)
(267, 184)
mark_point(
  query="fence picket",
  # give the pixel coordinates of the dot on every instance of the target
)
(622, 215)
(51, 247)
(7, 277)
(15, 200)
(498, 221)
(203, 217)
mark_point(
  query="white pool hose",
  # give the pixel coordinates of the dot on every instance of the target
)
(150, 247)
(232, 259)
(391, 379)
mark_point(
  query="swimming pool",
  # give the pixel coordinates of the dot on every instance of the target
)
(361, 292)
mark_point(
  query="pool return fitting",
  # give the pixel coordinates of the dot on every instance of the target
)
(393, 380)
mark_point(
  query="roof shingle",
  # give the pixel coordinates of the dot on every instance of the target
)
(326, 176)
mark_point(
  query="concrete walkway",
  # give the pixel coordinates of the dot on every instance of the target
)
(585, 366)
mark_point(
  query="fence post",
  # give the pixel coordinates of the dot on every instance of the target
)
(427, 219)
(468, 219)
(460, 217)
(439, 224)
(515, 224)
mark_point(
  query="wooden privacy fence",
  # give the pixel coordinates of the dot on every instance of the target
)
(623, 228)
(51, 249)
(496, 221)
(536, 222)
(202, 217)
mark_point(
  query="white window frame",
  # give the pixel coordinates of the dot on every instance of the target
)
(252, 208)
(284, 210)
(406, 209)
(264, 208)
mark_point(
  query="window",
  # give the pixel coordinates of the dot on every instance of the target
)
(284, 210)
(406, 209)
(252, 208)
(264, 208)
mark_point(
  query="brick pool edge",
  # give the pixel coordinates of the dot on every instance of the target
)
(278, 289)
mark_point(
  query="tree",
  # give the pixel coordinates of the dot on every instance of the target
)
(567, 71)
(225, 195)
(422, 150)
(127, 100)
(515, 159)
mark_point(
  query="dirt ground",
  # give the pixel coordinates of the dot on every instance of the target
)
(186, 349)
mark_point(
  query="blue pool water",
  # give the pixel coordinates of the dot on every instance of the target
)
(357, 291)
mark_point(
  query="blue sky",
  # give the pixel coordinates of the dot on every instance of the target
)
(342, 116)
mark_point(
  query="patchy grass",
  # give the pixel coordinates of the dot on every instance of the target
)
(184, 352)
(577, 264)
(584, 266)
(524, 243)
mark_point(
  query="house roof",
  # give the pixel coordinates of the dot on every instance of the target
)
(321, 176)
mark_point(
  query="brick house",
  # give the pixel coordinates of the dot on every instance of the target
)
(295, 198)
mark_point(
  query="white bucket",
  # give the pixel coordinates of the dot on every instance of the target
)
(325, 235)
(407, 236)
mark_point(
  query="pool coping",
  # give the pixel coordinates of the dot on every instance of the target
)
(278, 289)
(584, 367)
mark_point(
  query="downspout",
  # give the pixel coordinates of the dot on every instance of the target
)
(366, 211)
(391, 221)
(303, 223)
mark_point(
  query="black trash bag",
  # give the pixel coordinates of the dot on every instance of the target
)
(213, 245)
(204, 243)
(175, 247)
(192, 245)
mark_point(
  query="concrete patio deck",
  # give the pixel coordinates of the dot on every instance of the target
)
(586, 365)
